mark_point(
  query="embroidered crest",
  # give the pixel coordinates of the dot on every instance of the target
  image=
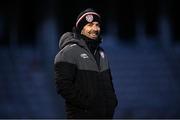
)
(84, 55)
(89, 18)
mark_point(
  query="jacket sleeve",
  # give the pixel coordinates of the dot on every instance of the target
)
(65, 72)
(111, 80)
(113, 97)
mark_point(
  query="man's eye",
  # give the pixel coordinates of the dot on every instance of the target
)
(89, 24)
(98, 25)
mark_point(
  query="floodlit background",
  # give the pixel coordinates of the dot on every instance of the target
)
(141, 39)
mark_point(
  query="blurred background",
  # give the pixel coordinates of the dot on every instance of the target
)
(141, 38)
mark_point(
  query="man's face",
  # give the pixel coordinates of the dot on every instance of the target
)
(91, 30)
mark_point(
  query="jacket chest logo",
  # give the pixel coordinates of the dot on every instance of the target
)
(84, 55)
(102, 54)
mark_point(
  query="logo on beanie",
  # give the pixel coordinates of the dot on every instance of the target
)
(89, 18)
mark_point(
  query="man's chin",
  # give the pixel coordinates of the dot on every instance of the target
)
(94, 37)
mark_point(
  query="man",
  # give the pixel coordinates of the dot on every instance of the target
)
(82, 72)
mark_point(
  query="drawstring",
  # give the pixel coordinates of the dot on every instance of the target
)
(95, 50)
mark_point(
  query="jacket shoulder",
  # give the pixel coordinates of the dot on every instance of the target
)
(66, 54)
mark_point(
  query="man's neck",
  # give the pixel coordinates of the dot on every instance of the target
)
(91, 43)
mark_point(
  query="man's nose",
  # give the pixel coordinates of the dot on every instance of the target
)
(95, 28)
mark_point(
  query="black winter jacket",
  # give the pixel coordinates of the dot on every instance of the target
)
(80, 81)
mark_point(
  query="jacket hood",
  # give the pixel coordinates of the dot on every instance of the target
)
(69, 38)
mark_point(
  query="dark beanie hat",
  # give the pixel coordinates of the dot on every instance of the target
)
(85, 17)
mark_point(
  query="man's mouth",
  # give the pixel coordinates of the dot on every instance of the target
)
(94, 33)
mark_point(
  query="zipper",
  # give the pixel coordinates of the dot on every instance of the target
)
(95, 59)
(95, 51)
